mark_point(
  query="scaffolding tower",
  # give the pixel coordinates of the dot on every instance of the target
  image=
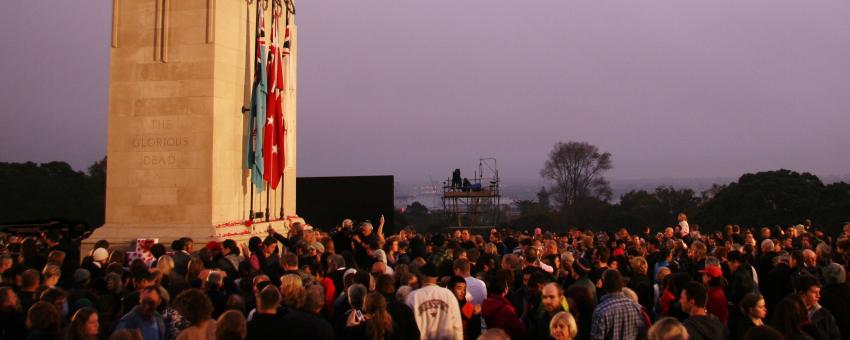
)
(474, 202)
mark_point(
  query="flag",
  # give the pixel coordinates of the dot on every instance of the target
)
(273, 141)
(256, 122)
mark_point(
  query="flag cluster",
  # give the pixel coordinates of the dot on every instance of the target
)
(266, 127)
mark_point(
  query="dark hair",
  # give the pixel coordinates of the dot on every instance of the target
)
(697, 292)
(30, 278)
(231, 325)
(612, 281)
(177, 245)
(763, 333)
(44, 316)
(290, 260)
(231, 244)
(314, 297)
(78, 323)
(385, 284)
(805, 282)
(269, 297)
(602, 253)
(749, 302)
(788, 316)
(194, 306)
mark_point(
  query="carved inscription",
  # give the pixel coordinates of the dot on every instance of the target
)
(162, 146)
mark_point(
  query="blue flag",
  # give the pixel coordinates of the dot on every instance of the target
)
(257, 115)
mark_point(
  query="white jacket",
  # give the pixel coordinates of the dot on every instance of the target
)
(437, 313)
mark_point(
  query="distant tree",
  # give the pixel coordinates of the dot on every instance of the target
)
(532, 214)
(543, 198)
(655, 209)
(577, 169)
(764, 199)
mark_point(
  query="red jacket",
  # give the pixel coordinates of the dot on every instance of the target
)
(499, 313)
(717, 304)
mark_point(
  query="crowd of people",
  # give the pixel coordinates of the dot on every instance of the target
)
(355, 282)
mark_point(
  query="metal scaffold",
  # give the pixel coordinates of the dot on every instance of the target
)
(473, 202)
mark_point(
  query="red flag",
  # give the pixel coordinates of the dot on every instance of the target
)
(272, 136)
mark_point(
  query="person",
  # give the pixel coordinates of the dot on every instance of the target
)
(12, 319)
(700, 324)
(144, 317)
(471, 314)
(197, 309)
(182, 254)
(553, 302)
(616, 316)
(43, 321)
(435, 308)
(231, 325)
(84, 325)
(499, 313)
(667, 329)
(684, 227)
(754, 310)
(789, 317)
(763, 333)
(494, 334)
(403, 319)
(474, 286)
(374, 324)
(266, 321)
(835, 296)
(563, 326)
(809, 288)
(717, 305)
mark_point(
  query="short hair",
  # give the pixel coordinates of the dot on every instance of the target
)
(315, 297)
(612, 281)
(805, 282)
(177, 245)
(385, 284)
(231, 325)
(30, 277)
(494, 334)
(290, 260)
(697, 292)
(462, 265)
(44, 316)
(231, 244)
(603, 253)
(269, 297)
(51, 270)
(356, 295)
(750, 301)
(566, 318)
(52, 295)
(194, 306)
(667, 329)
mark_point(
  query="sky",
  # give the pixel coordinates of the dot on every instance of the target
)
(672, 89)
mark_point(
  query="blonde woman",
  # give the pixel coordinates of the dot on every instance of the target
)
(668, 329)
(563, 326)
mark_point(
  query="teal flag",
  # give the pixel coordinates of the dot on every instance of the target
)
(257, 115)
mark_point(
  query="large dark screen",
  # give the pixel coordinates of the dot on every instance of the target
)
(325, 201)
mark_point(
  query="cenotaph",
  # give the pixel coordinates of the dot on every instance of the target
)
(181, 72)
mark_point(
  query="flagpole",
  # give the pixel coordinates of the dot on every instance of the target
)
(250, 121)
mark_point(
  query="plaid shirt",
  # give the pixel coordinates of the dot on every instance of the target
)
(617, 317)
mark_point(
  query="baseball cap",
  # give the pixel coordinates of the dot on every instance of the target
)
(713, 271)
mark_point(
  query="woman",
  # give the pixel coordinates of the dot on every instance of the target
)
(563, 326)
(84, 325)
(374, 324)
(231, 325)
(196, 308)
(788, 319)
(754, 310)
(667, 329)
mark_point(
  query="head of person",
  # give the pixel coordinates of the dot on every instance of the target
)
(231, 325)
(563, 326)
(292, 291)
(43, 316)
(693, 297)
(734, 259)
(753, 306)
(314, 298)
(9, 301)
(834, 273)
(788, 316)
(667, 329)
(85, 324)
(462, 267)
(51, 275)
(457, 285)
(612, 281)
(809, 289)
(356, 295)
(494, 334)
(552, 296)
(194, 306)
(712, 276)
(763, 333)
(268, 300)
(149, 300)
(366, 228)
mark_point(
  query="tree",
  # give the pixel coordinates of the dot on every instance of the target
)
(577, 168)
(543, 198)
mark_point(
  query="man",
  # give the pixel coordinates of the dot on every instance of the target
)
(742, 282)
(342, 237)
(141, 280)
(499, 313)
(182, 254)
(553, 302)
(600, 262)
(30, 280)
(12, 318)
(265, 324)
(435, 308)
(474, 286)
(700, 324)
(145, 317)
(835, 296)
(809, 290)
(616, 316)
(306, 322)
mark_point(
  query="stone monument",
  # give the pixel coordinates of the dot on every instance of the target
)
(180, 74)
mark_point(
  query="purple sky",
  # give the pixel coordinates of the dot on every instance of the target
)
(675, 89)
